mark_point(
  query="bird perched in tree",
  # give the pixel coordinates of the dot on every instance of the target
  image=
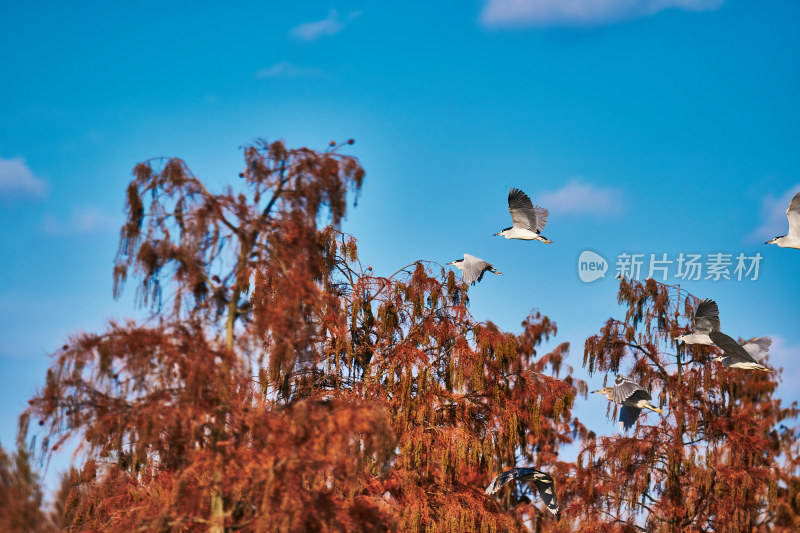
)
(527, 220)
(791, 239)
(632, 397)
(542, 481)
(472, 268)
(706, 320)
(736, 356)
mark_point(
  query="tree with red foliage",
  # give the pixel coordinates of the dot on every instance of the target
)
(721, 459)
(280, 386)
(21, 507)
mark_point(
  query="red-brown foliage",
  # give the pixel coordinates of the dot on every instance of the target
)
(280, 386)
(21, 496)
(721, 459)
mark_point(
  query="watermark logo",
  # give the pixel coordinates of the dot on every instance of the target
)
(689, 267)
(662, 266)
(591, 266)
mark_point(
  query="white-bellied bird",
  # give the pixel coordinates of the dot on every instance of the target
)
(472, 268)
(735, 355)
(542, 481)
(527, 220)
(632, 397)
(791, 239)
(706, 320)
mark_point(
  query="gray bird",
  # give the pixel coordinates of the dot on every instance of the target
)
(632, 397)
(527, 220)
(791, 239)
(735, 355)
(706, 320)
(542, 481)
(472, 268)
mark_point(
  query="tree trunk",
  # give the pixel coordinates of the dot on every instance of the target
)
(217, 518)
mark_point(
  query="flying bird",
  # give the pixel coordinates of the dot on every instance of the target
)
(527, 220)
(706, 320)
(472, 268)
(542, 481)
(632, 397)
(791, 239)
(737, 356)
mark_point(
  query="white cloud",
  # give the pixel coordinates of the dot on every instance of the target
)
(82, 221)
(284, 69)
(333, 24)
(16, 179)
(773, 215)
(578, 197)
(497, 13)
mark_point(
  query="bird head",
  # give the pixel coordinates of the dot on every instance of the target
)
(605, 391)
(718, 359)
(681, 338)
(457, 262)
(773, 241)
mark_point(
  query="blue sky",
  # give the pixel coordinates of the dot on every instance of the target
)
(659, 126)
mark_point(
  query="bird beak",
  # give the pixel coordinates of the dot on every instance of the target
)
(451, 263)
(772, 241)
(495, 235)
(595, 391)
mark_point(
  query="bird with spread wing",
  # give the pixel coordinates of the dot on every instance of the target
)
(631, 396)
(706, 320)
(735, 355)
(527, 220)
(542, 481)
(792, 238)
(472, 268)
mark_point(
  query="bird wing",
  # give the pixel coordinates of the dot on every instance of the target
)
(793, 214)
(731, 348)
(474, 267)
(706, 317)
(758, 348)
(625, 387)
(542, 481)
(508, 475)
(541, 217)
(524, 214)
(628, 416)
(547, 491)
